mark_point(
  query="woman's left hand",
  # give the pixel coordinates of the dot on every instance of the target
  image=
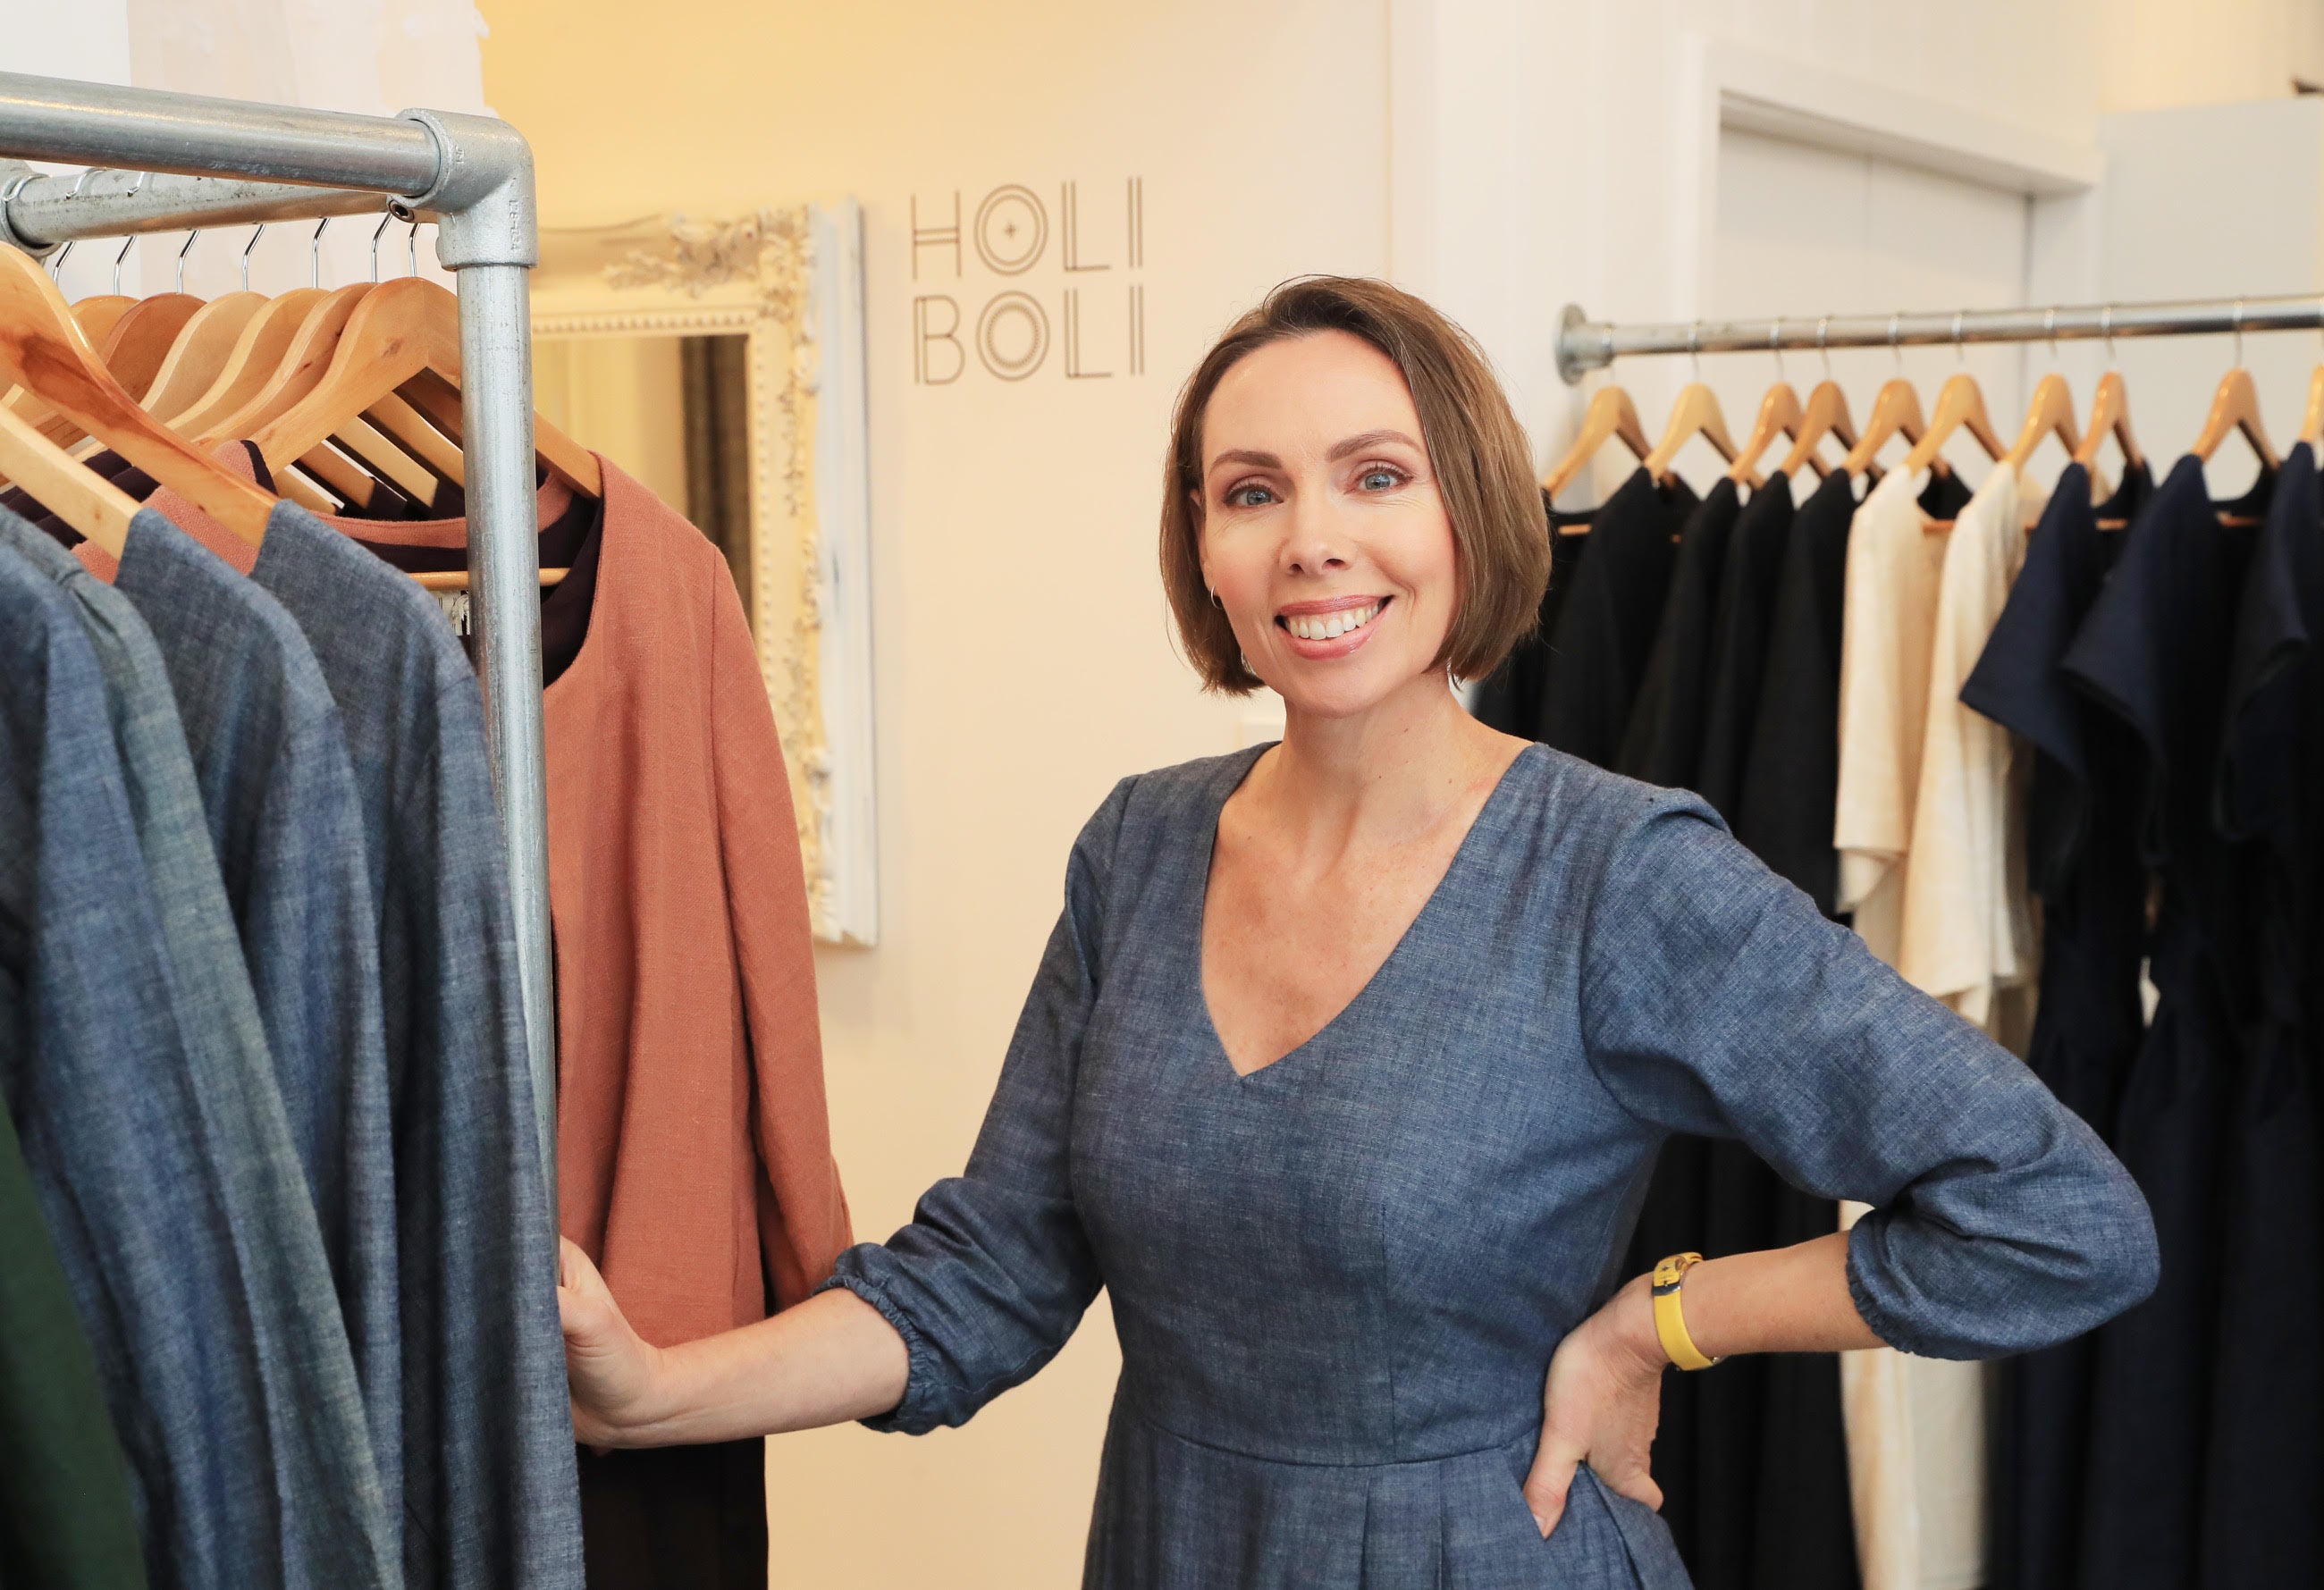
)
(1602, 1402)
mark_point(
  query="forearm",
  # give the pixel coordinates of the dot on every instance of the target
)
(830, 1359)
(1787, 1300)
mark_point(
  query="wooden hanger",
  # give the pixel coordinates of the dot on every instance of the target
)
(402, 328)
(2109, 417)
(2311, 423)
(1826, 415)
(95, 508)
(297, 372)
(1694, 413)
(1896, 412)
(1961, 406)
(2235, 408)
(97, 314)
(208, 339)
(1610, 417)
(1779, 416)
(257, 353)
(42, 348)
(2050, 413)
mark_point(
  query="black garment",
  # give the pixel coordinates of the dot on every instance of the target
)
(1738, 644)
(1791, 779)
(2154, 651)
(675, 1518)
(1606, 626)
(1509, 697)
(2263, 1492)
(2082, 860)
(1752, 1461)
(1665, 728)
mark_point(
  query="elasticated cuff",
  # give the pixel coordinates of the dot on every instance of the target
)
(913, 1416)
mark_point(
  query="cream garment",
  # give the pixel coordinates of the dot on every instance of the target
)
(1916, 1426)
(1968, 933)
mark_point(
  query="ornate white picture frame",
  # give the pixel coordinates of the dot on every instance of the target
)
(790, 281)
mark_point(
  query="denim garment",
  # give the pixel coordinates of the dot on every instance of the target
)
(490, 1496)
(142, 1089)
(280, 796)
(1338, 1281)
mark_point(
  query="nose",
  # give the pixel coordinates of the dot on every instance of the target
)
(1315, 544)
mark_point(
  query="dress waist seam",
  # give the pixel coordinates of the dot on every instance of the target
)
(1131, 1410)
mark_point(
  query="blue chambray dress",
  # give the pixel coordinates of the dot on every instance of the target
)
(1337, 1281)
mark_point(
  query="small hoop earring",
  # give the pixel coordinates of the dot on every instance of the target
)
(1216, 603)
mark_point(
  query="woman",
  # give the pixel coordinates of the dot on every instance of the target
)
(1349, 1057)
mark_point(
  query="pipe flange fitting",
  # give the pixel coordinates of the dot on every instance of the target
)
(14, 176)
(483, 195)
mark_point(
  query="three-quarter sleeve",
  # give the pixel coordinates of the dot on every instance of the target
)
(1718, 1000)
(995, 1271)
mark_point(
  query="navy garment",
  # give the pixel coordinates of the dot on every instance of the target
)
(2155, 651)
(1606, 623)
(491, 1498)
(1337, 1281)
(2083, 860)
(1738, 658)
(279, 792)
(2264, 1493)
(1789, 799)
(1509, 697)
(136, 1072)
(1664, 736)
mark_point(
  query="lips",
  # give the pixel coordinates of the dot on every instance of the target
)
(1333, 627)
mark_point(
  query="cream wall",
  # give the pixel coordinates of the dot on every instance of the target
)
(1023, 663)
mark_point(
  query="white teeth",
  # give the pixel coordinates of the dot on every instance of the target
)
(1331, 626)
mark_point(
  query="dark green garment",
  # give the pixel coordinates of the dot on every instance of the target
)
(65, 1522)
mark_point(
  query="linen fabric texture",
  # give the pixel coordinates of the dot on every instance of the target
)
(1337, 1281)
(489, 1495)
(146, 1103)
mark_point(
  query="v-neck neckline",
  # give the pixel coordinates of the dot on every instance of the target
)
(1428, 907)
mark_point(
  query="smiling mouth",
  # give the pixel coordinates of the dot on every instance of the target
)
(1331, 626)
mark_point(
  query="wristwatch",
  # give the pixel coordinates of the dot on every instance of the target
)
(1670, 1322)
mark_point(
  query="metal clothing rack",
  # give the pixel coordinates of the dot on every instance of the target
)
(191, 163)
(1584, 345)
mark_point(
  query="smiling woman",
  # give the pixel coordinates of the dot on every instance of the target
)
(1349, 1057)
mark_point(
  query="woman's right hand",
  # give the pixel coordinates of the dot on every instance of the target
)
(613, 1372)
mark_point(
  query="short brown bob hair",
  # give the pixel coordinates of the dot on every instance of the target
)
(1476, 449)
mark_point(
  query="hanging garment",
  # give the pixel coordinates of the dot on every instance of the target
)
(1791, 773)
(1967, 933)
(2082, 857)
(2155, 650)
(1916, 1426)
(141, 1089)
(2264, 1488)
(65, 1516)
(1396, 1223)
(1606, 625)
(1738, 656)
(270, 760)
(1665, 734)
(1509, 697)
(490, 1497)
(676, 1517)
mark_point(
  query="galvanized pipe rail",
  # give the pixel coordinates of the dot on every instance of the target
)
(1584, 345)
(173, 162)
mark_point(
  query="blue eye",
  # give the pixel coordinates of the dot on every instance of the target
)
(1247, 496)
(1381, 479)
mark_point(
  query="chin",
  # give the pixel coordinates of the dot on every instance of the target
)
(1350, 695)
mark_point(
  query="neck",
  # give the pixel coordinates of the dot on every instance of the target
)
(1392, 766)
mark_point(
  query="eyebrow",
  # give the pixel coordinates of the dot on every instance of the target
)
(1352, 446)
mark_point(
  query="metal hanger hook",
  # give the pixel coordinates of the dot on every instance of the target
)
(1694, 346)
(182, 252)
(1960, 352)
(57, 260)
(81, 181)
(315, 252)
(2106, 330)
(2239, 334)
(246, 247)
(2050, 325)
(384, 218)
(1823, 349)
(411, 244)
(1775, 344)
(126, 245)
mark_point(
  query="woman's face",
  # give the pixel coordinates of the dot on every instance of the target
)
(1323, 534)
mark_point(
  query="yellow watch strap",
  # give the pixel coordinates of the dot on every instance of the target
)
(1670, 1321)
